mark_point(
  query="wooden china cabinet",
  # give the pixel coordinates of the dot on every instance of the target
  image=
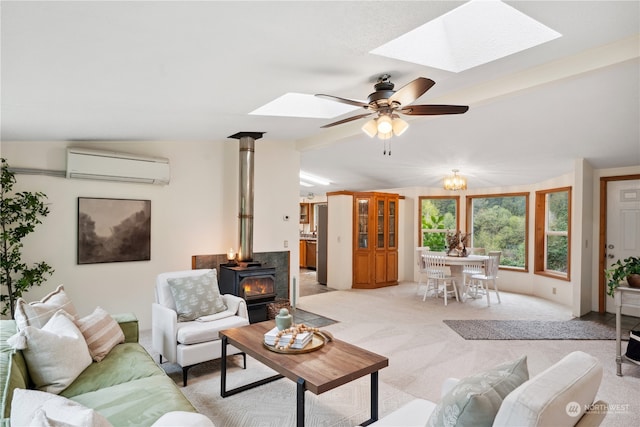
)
(375, 240)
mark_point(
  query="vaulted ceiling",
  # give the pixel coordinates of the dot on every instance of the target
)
(186, 70)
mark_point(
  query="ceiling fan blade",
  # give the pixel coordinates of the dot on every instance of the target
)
(349, 119)
(343, 100)
(412, 91)
(433, 110)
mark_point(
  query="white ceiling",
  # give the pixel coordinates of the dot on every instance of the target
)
(195, 70)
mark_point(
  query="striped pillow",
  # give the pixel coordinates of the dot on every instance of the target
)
(101, 332)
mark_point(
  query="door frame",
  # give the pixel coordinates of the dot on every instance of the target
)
(602, 296)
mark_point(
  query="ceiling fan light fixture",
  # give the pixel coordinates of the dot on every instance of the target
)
(387, 135)
(370, 128)
(399, 126)
(384, 124)
(455, 182)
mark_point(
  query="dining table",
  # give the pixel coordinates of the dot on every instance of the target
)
(456, 264)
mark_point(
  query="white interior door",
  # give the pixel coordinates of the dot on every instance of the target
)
(623, 227)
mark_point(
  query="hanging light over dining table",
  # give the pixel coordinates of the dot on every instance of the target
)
(455, 182)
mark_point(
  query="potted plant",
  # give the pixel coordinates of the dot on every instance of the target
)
(628, 269)
(19, 214)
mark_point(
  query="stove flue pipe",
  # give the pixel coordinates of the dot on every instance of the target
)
(245, 202)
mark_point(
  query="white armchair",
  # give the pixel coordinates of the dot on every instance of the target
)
(192, 342)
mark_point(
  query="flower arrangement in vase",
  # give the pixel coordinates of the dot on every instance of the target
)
(457, 242)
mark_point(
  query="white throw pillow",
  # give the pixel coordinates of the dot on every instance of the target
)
(55, 354)
(39, 409)
(183, 419)
(38, 313)
(101, 332)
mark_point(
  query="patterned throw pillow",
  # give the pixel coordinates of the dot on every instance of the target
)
(196, 296)
(475, 400)
(38, 313)
(101, 332)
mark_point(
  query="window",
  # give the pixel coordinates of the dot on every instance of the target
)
(499, 223)
(553, 232)
(437, 215)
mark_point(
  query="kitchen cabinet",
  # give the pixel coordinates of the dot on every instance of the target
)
(305, 213)
(303, 253)
(375, 239)
(308, 250)
(311, 254)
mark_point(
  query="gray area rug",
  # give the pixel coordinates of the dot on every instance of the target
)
(531, 330)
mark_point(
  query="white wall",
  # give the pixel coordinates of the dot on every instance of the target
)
(196, 213)
(340, 242)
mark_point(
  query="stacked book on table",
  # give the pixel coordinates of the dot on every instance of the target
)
(301, 339)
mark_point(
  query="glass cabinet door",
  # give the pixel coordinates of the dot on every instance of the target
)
(392, 224)
(380, 224)
(363, 223)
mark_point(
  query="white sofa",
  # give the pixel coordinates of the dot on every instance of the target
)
(192, 342)
(557, 397)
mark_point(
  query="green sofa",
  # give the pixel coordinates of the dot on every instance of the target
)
(128, 388)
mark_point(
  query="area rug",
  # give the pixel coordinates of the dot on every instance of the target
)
(531, 330)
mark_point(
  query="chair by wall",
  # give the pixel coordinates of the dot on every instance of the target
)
(188, 343)
(490, 275)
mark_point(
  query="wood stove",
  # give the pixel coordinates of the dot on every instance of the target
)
(255, 283)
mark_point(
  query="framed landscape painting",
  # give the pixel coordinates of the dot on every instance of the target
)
(113, 230)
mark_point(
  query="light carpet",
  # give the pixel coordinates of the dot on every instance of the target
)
(422, 352)
(531, 330)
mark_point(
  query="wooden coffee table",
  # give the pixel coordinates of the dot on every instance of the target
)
(333, 365)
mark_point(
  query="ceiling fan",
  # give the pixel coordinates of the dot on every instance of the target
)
(388, 103)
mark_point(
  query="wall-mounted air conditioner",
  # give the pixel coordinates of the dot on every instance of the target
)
(110, 166)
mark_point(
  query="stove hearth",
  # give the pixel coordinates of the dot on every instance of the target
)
(253, 282)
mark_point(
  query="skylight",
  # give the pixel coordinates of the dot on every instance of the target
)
(303, 105)
(473, 34)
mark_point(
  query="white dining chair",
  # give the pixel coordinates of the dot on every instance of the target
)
(438, 278)
(469, 285)
(422, 267)
(490, 275)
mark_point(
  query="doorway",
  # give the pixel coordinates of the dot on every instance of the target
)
(619, 227)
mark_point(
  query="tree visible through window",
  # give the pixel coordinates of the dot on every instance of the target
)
(499, 223)
(553, 227)
(437, 215)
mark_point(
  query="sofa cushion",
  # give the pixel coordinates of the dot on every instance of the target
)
(129, 325)
(196, 296)
(55, 354)
(38, 313)
(138, 402)
(101, 333)
(126, 362)
(475, 400)
(13, 368)
(557, 396)
(34, 408)
(197, 332)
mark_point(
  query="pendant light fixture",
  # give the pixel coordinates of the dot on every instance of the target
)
(455, 182)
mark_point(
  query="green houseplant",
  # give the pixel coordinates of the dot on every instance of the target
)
(19, 214)
(623, 270)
